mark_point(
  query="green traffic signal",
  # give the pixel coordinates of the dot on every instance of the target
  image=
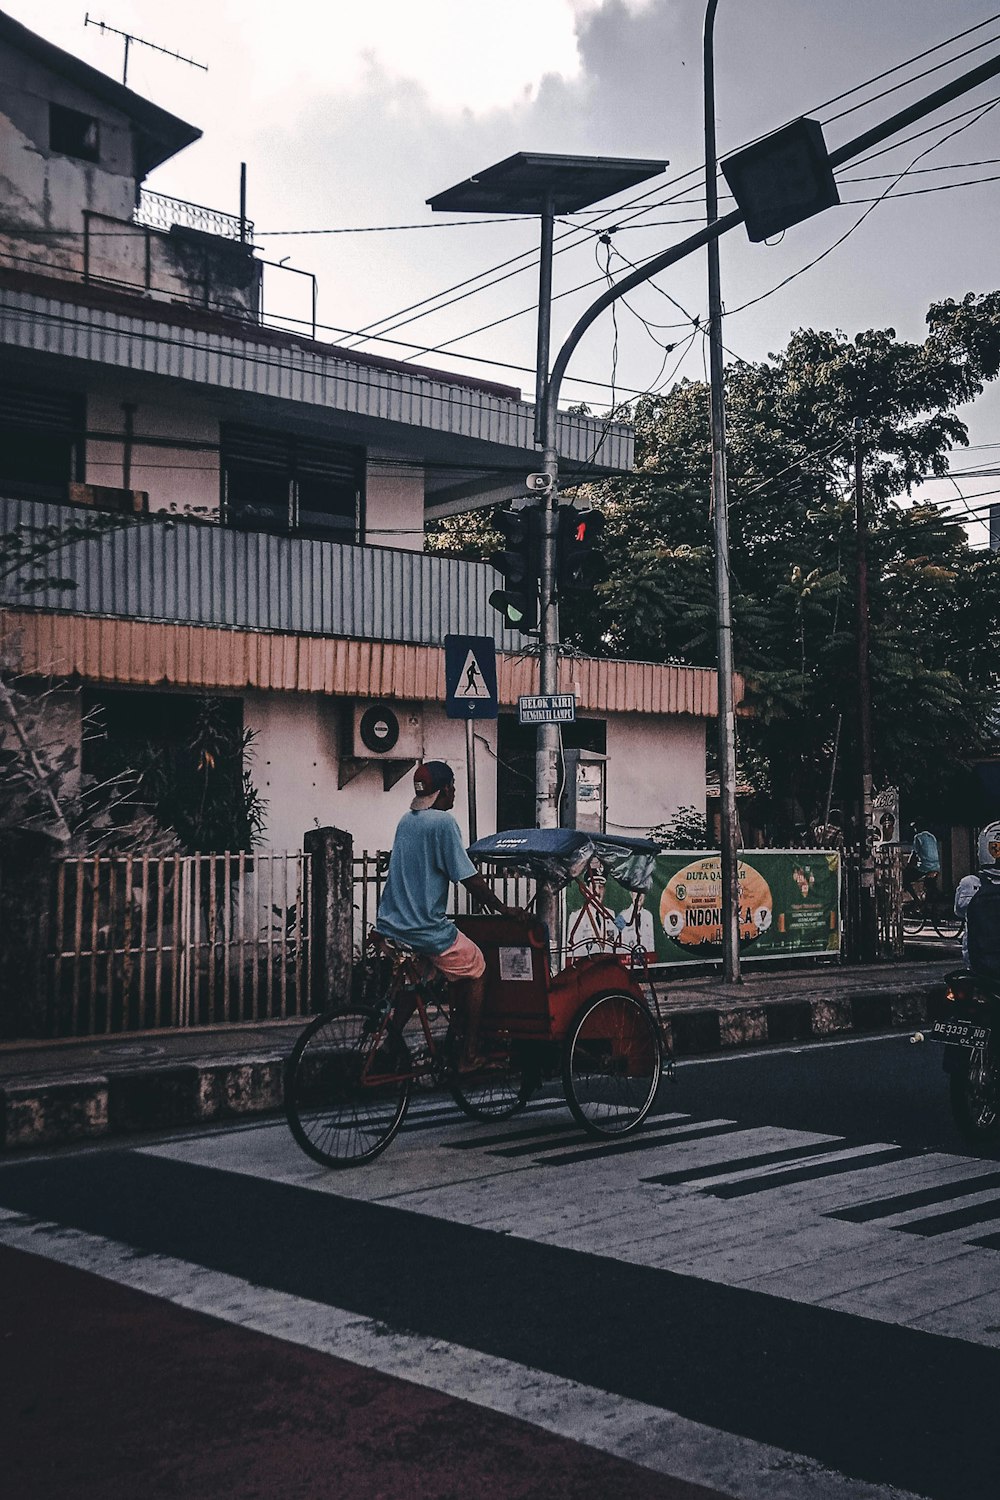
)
(520, 611)
(520, 563)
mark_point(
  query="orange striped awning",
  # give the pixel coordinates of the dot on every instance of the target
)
(143, 653)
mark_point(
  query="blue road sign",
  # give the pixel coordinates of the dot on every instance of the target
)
(470, 669)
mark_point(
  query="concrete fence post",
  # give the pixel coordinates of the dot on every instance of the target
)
(332, 942)
(26, 860)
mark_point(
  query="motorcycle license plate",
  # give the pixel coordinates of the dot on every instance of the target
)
(960, 1033)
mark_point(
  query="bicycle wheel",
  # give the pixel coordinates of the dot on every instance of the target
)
(974, 1089)
(345, 1096)
(611, 1065)
(500, 1090)
(947, 925)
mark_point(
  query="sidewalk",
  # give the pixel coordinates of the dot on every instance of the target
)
(64, 1091)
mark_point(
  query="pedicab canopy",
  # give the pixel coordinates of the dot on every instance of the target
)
(559, 855)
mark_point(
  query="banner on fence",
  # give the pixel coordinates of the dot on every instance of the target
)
(789, 905)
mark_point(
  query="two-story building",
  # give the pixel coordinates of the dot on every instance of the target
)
(273, 491)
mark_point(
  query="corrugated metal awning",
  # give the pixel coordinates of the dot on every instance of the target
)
(249, 362)
(141, 653)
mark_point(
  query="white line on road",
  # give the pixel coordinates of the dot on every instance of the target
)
(632, 1430)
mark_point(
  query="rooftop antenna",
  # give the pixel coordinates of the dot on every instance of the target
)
(128, 37)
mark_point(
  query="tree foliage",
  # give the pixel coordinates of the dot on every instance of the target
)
(934, 602)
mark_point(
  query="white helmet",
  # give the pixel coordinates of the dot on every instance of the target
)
(989, 846)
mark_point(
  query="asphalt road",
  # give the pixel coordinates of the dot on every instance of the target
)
(786, 1286)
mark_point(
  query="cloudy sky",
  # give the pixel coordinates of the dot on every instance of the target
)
(350, 115)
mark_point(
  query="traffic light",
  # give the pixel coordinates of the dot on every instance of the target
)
(578, 563)
(520, 563)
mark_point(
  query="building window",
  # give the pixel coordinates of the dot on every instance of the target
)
(41, 442)
(73, 133)
(291, 485)
(176, 758)
(516, 764)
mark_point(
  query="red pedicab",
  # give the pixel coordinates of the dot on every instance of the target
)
(350, 1076)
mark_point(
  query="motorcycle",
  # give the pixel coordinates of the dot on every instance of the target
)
(968, 1024)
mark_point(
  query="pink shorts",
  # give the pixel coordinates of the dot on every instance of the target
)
(463, 960)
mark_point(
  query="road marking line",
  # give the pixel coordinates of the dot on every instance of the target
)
(646, 1435)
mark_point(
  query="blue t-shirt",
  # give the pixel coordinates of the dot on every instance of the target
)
(428, 857)
(925, 852)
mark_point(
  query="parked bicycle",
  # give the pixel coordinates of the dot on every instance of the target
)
(353, 1070)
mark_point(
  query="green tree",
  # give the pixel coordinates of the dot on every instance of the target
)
(935, 603)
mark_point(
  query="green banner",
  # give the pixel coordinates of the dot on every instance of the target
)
(789, 904)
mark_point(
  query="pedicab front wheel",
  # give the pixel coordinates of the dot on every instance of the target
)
(500, 1089)
(611, 1064)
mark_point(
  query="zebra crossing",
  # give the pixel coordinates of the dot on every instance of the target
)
(815, 1217)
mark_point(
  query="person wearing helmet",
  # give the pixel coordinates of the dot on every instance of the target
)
(977, 899)
(428, 857)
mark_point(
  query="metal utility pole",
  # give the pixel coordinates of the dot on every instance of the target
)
(867, 917)
(549, 738)
(720, 522)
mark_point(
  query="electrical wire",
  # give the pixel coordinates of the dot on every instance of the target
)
(641, 197)
(455, 398)
(339, 349)
(617, 212)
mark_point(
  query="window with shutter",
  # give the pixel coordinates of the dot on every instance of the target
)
(294, 486)
(41, 442)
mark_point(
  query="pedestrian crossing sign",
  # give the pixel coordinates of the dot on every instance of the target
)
(470, 677)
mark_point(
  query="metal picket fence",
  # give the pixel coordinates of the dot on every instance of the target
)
(141, 943)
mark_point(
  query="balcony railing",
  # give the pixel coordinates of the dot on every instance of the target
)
(198, 573)
(157, 211)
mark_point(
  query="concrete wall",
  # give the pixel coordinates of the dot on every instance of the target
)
(43, 190)
(295, 767)
(655, 766)
(179, 479)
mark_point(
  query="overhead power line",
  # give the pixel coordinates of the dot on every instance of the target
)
(530, 258)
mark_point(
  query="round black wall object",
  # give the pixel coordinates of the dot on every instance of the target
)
(379, 729)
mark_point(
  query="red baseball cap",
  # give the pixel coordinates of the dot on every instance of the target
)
(431, 777)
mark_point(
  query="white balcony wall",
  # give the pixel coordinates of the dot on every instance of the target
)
(178, 479)
(394, 503)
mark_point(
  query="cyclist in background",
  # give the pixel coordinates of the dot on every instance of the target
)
(923, 868)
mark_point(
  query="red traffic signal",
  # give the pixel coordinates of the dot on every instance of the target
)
(578, 563)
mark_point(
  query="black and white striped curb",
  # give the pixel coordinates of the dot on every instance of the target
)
(48, 1108)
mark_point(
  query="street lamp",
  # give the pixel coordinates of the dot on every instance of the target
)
(543, 185)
